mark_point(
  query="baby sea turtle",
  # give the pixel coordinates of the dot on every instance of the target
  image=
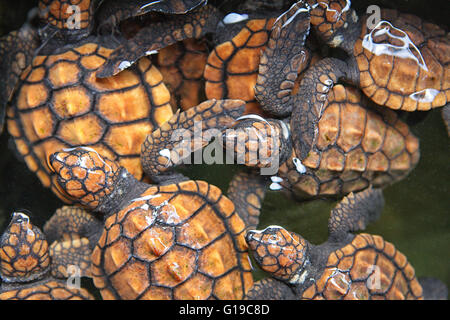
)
(346, 266)
(59, 101)
(401, 63)
(355, 144)
(25, 266)
(150, 38)
(183, 240)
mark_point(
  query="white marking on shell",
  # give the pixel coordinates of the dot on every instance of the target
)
(234, 18)
(403, 52)
(425, 95)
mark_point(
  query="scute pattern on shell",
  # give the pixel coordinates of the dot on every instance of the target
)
(356, 146)
(367, 268)
(401, 82)
(48, 290)
(61, 104)
(180, 241)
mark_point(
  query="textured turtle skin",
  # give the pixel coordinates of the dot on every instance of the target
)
(181, 66)
(46, 290)
(232, 67)
(367, 268)
(158, 35)
(60, 103)
(23, 252)
(180, 241)
(356, 146)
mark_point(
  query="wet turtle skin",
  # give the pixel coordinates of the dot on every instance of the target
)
(178, 241)
(60, 103)
(357, 146)
(26, 263)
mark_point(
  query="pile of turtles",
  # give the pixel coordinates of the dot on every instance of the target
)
(102, 100)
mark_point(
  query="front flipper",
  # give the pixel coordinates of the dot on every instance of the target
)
(16, 53)
(159, 35)
(281, 61)
(354, 212)
(247, 190)
(73, 233)
(270, 289)
(187, 132)
(310, 100)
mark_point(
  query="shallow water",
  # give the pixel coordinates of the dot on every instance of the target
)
(415, 218)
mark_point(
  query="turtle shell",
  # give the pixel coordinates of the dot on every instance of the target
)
(182, 65)
(357, 146)
(179, 241)
(232, 67)
(46, 290)
(60, 103)
(367, 268)
(404, 62)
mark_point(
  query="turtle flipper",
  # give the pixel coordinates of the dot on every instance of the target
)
(310, 100)
(16, 52)
(433, 289)
(187, 132)
(354, 212)
(160, 35)
(112, 12)
(279, 67)
(71, 255)
(247, 191)
(270, 289)
(73, 233)
(72, 219)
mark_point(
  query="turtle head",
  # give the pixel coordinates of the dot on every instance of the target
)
(281, 253)
(24, 254)
(335, 21)
(67, 20)
(84, 175)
